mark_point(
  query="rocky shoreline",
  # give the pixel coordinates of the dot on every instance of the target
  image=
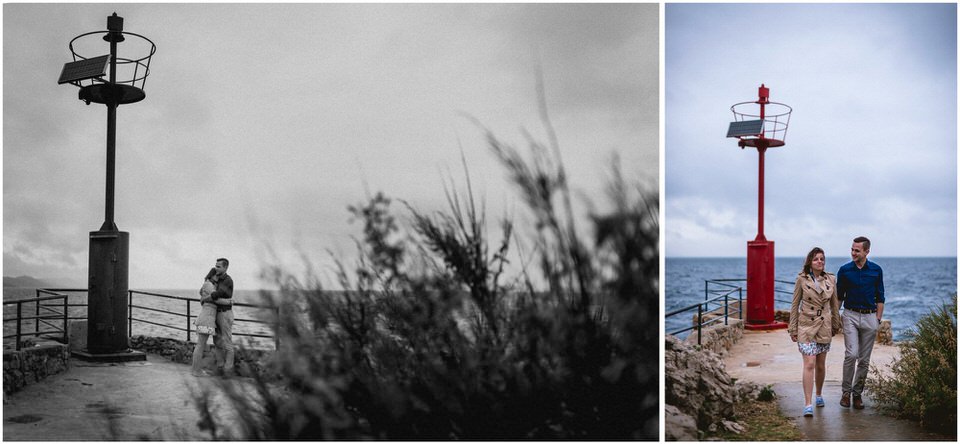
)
(700, 394)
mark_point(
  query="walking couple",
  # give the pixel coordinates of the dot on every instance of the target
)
(815, 318)
(216, 318)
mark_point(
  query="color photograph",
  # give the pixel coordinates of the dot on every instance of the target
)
(810, 221)
(307, 221)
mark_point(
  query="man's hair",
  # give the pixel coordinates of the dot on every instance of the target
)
(865, 241)
(810, 256)
(224, 260)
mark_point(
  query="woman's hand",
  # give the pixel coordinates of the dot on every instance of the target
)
(793, 338)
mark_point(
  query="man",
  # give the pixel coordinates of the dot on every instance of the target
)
(223, 297)
(860, 288)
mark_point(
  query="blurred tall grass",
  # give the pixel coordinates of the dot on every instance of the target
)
(432, 340)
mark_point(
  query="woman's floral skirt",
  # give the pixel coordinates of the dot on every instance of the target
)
(812, 348)
(207, 321)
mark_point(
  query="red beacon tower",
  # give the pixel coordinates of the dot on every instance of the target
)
(761, 124)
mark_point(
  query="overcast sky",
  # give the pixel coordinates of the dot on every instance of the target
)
(261, 123)
(872, 144)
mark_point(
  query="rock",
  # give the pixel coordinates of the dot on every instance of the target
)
(718, 337)
(885, 333)
(781, 315)
(678, 426)
(732, 426)
(746, 391)
(697, 383)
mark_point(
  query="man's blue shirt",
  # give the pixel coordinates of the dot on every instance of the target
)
(860, 288)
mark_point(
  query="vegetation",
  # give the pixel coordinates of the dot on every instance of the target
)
(923, 381)
(433, 341)
(762, 420)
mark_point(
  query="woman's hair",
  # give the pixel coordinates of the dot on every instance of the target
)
(211, 273)
(810, 256)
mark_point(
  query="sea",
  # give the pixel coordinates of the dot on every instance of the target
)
(913, 286)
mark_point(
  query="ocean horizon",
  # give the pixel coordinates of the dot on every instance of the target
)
(913, 285)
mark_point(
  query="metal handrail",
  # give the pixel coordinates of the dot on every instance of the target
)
(37, 317)
(724, 282)
(705, 304)
(721, 294)
(188, 316)
(65, 315)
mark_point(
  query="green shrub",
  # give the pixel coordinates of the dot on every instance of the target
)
(923, 383)
(767, 394)
(431, 341)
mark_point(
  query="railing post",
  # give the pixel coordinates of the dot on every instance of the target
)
(19, 320)
(36, 320)
(699, 321)
(188, 320)
(726, 308)
(129, 313)
(66, 333)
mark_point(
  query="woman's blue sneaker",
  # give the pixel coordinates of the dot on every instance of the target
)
(820, 402)
(808, 410)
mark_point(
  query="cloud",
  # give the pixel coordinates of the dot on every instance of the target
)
(873, 124)
(262, 122)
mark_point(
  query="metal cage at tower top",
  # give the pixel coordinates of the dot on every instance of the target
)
(89, 68)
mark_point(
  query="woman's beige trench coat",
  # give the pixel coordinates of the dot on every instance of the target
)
(815, 312)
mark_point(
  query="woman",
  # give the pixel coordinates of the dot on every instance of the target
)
(206, 322)
(814, 319)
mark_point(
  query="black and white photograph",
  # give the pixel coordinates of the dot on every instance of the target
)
(300, 221)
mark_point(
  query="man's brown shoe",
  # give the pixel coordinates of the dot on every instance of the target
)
(858, 402)
(845, 400)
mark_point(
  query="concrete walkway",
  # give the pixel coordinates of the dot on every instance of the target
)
(770, 357)
(149, 400)
(835, 423)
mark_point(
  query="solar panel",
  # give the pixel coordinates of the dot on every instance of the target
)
(84, 69)
(745, 128)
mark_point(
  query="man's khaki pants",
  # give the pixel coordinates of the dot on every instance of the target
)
(224, 340)
(859, 334)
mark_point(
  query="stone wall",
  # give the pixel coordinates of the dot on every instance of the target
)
(245, 360)
(33, 363)
(718, 338)
(884, 334)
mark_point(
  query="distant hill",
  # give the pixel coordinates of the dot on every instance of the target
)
(31, 282)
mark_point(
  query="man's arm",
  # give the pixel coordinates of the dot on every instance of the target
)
(881, 298)
(224, 292)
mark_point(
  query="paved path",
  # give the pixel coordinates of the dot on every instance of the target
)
(835, 423)
(770, 357)
(92, 401)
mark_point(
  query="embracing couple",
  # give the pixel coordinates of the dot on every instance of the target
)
(815, 318)
(216, 319)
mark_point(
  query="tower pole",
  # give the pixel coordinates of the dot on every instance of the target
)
(760, 149)
(108, 222)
